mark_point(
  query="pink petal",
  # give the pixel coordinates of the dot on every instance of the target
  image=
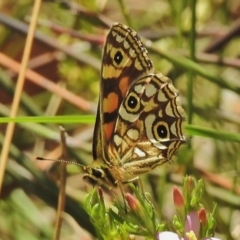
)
(192, 223)
(168, 236)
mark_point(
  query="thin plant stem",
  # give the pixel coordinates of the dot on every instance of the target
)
(192, 57)
(62, 192)
(125, 12)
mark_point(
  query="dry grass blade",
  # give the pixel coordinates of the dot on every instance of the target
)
(18, 92)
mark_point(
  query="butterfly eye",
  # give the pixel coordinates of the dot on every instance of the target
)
(118, 57)
(161, 130)
(98, 173)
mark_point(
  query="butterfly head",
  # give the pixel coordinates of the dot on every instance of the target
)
(98, 174)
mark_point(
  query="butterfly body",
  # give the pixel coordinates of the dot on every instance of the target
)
(139, 120)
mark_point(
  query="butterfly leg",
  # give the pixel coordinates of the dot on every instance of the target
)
(143, 193)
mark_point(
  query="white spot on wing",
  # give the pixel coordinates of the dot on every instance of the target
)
(117, 140)
(162, 97)
(139, 152)
(132, 52)
(119, 38)
(138, 88)
(150, 90)
(133, 134)
(138, 65)
(126, 44)
(169, 110)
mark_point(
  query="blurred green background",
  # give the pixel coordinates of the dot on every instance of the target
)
(200, 55)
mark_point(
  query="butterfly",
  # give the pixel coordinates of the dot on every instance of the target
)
(140, 118)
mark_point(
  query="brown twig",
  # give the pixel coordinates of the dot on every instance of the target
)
(49, 85)
(49, 41)
(223, 40)
(62, 189)
(91, 38)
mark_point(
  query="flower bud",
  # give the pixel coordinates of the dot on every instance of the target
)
(190, 183)
(177, 197)
(133, 203)
(100, 192)
(202, 215)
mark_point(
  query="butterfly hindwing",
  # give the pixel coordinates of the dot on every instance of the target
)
(149, 121)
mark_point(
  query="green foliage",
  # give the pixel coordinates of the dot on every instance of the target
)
(122, 220)
(137, 215)
(200, 55)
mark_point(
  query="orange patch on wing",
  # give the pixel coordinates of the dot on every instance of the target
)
(124, 85)
(108, 130)
(110, 104)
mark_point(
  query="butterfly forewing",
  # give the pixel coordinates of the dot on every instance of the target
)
(124, 60)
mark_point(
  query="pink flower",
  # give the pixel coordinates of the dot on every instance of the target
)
(191, 232)
(192, 224)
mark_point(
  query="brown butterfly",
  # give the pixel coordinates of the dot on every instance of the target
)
(140, 117)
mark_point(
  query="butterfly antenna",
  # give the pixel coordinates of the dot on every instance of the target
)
(62, 161)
